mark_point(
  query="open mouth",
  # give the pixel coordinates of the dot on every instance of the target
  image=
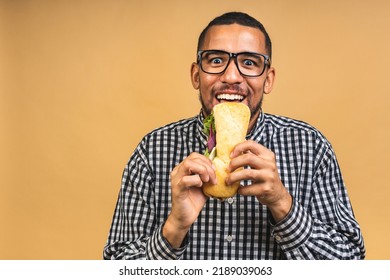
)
(229, 97)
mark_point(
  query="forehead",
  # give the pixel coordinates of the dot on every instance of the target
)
(234, 38)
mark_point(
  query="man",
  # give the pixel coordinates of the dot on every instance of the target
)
(292, 203)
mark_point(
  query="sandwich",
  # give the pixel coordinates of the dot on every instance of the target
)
(226, 126)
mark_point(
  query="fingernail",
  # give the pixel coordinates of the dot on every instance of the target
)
(228, 169)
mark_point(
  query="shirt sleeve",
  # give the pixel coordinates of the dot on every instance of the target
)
(327, 229)
(135, 233)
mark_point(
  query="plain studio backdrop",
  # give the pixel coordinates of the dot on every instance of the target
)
(81, 82)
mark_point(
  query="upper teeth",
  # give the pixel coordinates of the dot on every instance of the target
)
(230, 97)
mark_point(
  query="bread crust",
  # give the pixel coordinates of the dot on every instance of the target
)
(231, 125)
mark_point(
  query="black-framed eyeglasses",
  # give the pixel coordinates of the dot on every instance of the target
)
(248, 63)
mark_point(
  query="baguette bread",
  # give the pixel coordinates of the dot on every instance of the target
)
(231, 125)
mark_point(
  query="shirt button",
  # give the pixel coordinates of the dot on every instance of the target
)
(230, 200)
(278, 238)
(229, 238)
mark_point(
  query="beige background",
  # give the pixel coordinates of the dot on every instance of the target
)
(83, 81)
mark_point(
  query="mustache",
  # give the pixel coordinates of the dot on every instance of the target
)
(230, 88)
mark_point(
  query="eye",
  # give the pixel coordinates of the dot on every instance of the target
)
(248, 62)
(216, 60)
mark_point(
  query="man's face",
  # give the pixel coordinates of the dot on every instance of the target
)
(213, 88)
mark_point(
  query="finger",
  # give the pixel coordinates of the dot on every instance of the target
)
(191, 181)
(204, 170)
(252, 190)
(201, 159)
(253, 147)
(254, 175)
(200, 166)
(248, 159)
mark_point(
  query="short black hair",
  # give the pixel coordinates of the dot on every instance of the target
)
(241, 19)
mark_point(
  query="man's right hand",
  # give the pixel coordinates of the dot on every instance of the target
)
(187, 179)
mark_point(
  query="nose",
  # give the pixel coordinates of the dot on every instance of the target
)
(232, 75)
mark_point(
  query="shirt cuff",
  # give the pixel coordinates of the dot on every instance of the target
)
(160, 249)
(294, 229)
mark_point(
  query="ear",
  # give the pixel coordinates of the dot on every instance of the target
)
(195, 75)
(269, 80)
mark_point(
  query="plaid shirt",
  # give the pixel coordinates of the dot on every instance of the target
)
(320, 224)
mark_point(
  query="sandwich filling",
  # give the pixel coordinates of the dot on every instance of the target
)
(209, 129)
